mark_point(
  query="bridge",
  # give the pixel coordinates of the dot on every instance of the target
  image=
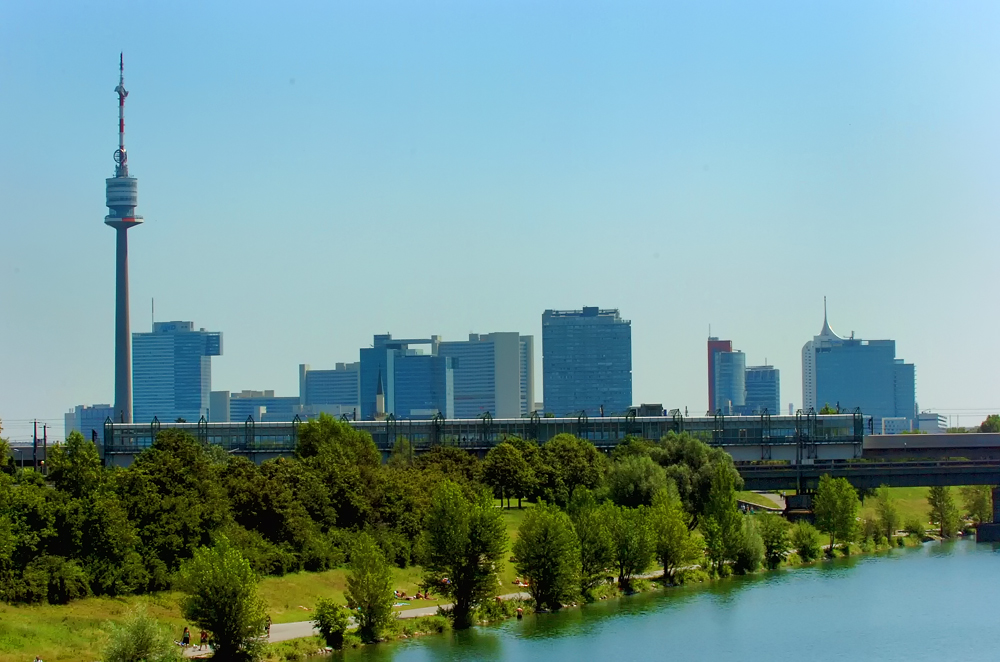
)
(771, 452)
(747, 438)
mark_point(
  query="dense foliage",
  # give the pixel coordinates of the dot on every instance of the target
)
(188, 515)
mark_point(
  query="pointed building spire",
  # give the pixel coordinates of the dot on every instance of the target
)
(827, 332)
(378, 388)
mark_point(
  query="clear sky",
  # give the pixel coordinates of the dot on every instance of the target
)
(314, 173)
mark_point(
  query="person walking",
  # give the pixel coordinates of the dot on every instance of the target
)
(204, 640)
(186, 638)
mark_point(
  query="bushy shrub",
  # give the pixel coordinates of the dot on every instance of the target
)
(53, 578)
(331, 621)
(806, 539)
(139, 638)
(915, 527)
(750, 549)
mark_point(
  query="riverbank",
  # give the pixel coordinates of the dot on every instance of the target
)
(919, 603)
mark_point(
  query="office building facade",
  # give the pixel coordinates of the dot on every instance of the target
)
(763, 390)
(493, 373)
(586, 362)
(714, 347)
(416, 383)
(87, 419)
(262, 406)
(849, 373)
(730, 382)
(340, 386)
(172, 372)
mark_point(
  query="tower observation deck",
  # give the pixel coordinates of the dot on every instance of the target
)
(122, 199)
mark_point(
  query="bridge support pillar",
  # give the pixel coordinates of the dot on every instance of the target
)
(991, 532)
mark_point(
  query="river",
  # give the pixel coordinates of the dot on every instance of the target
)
(936, 602)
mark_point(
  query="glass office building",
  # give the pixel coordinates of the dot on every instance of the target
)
(88, 419)
(586, 362)
(415, 384)
(172, 372)
(262, 406)
(763, 390)
(730, 382)
(853, 373)
(340, 386)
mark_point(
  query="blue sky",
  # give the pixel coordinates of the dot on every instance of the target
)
(312, 174)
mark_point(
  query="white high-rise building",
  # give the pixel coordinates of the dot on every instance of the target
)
(826, 338)
(494, 372)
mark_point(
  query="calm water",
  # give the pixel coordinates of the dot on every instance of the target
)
(937, 602)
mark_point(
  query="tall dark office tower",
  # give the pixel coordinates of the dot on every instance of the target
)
(122, 198)
(586, 362)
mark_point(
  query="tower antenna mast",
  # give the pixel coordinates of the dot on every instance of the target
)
(121, 157)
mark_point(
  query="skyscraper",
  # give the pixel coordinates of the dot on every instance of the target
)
(173, 371)
(730, 382)
(714, 347)
(122, 198)
(415, 384)
(494, 373)
(853, 373)
(586, 362)
(763, 390)
(826, 338)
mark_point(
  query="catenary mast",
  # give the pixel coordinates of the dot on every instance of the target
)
(122, 198)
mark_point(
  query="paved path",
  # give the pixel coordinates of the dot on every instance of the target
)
(300, 629)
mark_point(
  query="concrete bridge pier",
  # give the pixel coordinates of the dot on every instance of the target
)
(991, 532)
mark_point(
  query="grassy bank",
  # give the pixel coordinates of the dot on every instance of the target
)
(77, 631)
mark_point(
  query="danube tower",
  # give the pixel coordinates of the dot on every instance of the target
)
(123, 196)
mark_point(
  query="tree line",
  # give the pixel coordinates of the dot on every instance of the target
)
(87, 529)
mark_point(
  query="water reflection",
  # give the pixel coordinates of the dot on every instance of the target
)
(904, 603)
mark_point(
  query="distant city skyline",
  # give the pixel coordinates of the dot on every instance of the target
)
(311, 178)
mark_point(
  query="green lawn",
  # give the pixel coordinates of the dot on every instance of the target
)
(756, 499)
(911, 501)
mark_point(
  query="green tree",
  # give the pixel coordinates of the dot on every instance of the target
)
(634, 479)
(465, 541)
(596, 546)
(991, 424)
(222, 598)
(675, 545)
(722, 523)
(75, 467)
(827, 409)
(978, 500)
(633, 547)
(805, 540)
(567, 463)
(692, 465)
(369, 587)
(944, 512)
(775, 534)
(836, 507)
(888, 514)
(173, 498)
(331, 620)
(139, 638)
(547, 553)
(749, 552)
(506, 471)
